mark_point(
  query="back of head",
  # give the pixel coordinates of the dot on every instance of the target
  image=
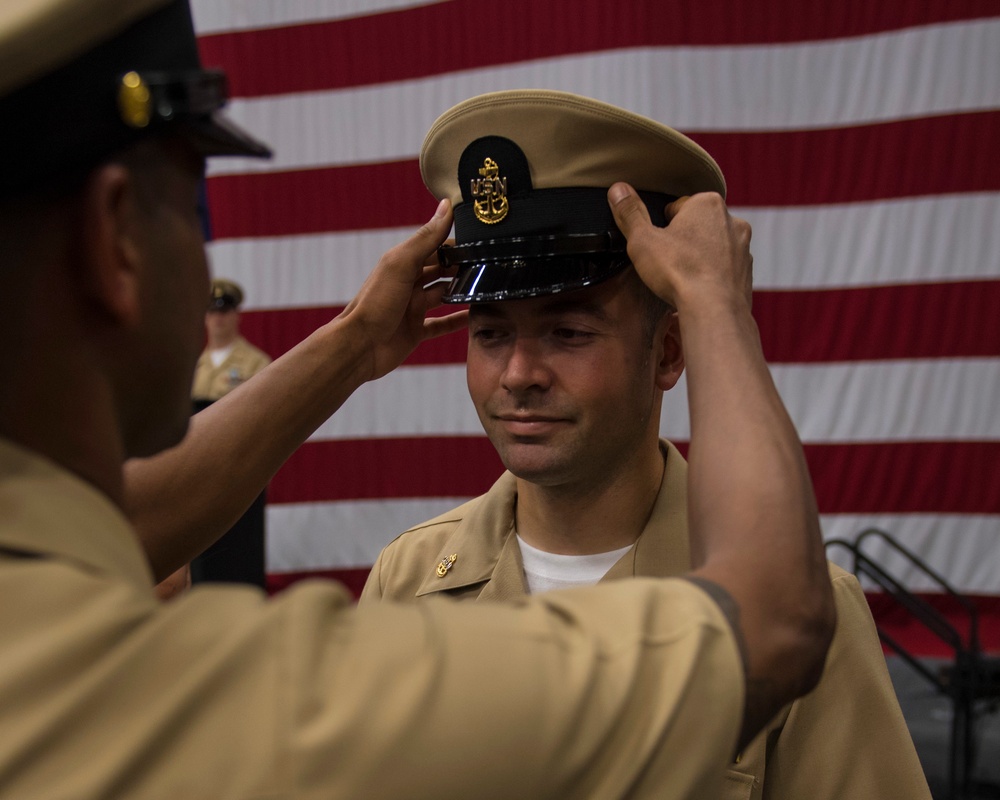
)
(528, 171)
(107, 116)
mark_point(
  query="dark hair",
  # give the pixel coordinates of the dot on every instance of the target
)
(652, 308)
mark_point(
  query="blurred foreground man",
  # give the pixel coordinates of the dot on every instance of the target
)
(606, 692)
(569, 358)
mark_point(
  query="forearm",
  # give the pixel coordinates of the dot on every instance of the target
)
(182, 500)
(754, 523)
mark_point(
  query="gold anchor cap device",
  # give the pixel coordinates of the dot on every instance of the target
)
(528, 171)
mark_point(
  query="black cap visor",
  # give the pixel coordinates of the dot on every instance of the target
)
(191, 101)
(225, 302)
(514, 269)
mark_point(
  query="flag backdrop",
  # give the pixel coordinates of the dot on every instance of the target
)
(860, 140)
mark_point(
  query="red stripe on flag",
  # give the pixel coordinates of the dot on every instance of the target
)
(909, 158)
(277, 332)
(369, 196)
(815, 326)
(428, 40)
(364, 469)
(906, 477)
(787, 168)
(905, 628)
(873, 323)
(886, 478)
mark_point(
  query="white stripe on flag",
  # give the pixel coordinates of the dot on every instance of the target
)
(314, 536)
(775, 87)
(890, 401)
(347, 535)
(858, 244)
(214, 16)
(963, 548)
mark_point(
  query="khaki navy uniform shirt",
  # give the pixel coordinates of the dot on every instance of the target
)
(847, 740)
(243, 362)
(221, 693)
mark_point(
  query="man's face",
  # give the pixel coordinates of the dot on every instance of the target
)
(173, 335)
(566, 385)
(222, 324)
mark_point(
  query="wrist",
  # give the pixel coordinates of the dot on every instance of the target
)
(346, 345)
(710, 301)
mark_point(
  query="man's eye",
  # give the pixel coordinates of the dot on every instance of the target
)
(486, 334)
(571, 334)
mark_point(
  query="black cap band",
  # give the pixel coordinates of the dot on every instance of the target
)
(553, 212)
(570, 256)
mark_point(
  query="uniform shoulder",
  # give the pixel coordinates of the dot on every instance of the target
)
(404, 562)
(434, 529)
(251, 349)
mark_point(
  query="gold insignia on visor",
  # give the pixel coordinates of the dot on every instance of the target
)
(446, 564)
(490, 193)
(134, 101)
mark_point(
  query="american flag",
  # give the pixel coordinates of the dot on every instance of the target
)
(860, 140)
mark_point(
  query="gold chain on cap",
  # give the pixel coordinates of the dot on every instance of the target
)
(134, 101)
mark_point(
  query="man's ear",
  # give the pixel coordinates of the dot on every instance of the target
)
(671, 361)
(111, 235)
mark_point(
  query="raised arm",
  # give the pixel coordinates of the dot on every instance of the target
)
(756, 542)
(182, 500)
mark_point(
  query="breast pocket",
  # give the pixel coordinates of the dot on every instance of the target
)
(737, 786)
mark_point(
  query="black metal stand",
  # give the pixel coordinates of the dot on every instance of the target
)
(970, 677)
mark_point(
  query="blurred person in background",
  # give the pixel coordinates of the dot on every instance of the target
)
(227, 361)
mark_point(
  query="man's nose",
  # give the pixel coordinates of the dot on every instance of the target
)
(526, 367)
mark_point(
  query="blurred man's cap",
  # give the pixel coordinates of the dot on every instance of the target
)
(82, 79)
(225, 295)
(528, 171)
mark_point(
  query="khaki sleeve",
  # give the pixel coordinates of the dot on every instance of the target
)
(631, 690)
(634, 690)
(848, 738)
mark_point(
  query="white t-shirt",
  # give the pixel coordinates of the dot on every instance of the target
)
(545, 571)
(219, 355)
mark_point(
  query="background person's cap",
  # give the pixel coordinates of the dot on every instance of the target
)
(82, 79)
(527, 172)
(225, 294)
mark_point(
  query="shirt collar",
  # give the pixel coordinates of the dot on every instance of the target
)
(486, 546)
(47, 511)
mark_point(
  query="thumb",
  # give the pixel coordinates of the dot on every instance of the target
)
(433, 232)
(628, 210)
(405, 262)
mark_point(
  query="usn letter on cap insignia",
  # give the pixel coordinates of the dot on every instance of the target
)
(490, 193)
(446, 564)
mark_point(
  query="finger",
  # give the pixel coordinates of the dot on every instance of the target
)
(421, 247)
(674, 207)
(743, 228)
(629, 211)
(439, 326)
